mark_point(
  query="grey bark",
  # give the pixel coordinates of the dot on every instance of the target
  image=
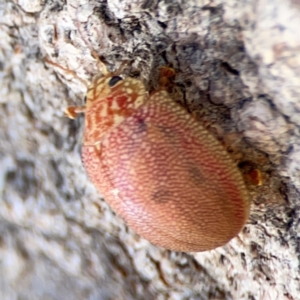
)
(238, 71)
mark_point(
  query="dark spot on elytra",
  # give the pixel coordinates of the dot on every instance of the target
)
(196, 175)
(141, 125)
(167, 131)
(161, 196)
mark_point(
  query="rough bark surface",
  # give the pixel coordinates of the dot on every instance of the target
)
(238, 71)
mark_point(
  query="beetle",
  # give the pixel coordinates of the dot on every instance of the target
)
(170, 180)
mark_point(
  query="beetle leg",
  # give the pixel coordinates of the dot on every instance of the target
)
(166, 74)
(73, 111)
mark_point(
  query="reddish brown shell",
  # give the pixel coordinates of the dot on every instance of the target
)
(171, 181)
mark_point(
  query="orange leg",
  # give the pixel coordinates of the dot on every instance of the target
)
(166, 74)
(73, 111)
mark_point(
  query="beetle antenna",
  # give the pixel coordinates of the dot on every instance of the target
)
(50, 62)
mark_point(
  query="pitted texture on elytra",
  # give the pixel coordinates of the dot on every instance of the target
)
(170, 180)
